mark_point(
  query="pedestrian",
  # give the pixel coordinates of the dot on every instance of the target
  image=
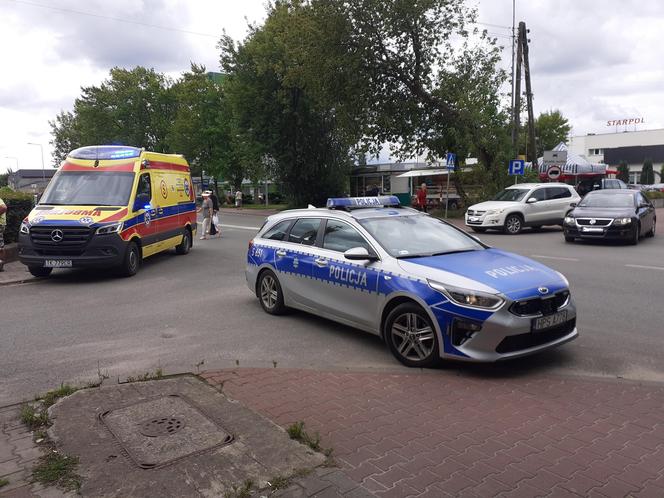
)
(206, 209)
(238, 199)
(3, 224)
(215, 227)
(422, 198)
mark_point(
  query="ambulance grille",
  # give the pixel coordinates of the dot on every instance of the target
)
(73, 238)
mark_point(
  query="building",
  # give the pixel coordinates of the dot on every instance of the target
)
(31, 181)
(633, 147)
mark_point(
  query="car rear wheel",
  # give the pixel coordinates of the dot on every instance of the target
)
(270, 293)
(39, 271)
(132, 261)
(513, 224)
(411, 336)
(184, 246)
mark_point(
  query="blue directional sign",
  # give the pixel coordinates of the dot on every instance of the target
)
(517, 167)
(450, 159)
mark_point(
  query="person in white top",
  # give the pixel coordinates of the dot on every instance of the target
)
(238, 199)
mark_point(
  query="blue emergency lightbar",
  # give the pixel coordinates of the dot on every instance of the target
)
(362, 202)
(104, 152)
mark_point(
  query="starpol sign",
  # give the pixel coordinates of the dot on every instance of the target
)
(620, 122)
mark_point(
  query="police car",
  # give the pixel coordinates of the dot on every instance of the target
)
(429, 289)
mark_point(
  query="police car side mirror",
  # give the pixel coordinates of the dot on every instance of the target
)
(359, 254)
(141, 201)
(531, 200)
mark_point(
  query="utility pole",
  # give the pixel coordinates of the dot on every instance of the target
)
(529, 97)
(516, 110)
(522, 58)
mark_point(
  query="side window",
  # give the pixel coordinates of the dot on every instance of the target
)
(558, 193)
(144, 187)
(278, 231)
(539, 194)
(340, 236)
(304, 231)
(621, 184)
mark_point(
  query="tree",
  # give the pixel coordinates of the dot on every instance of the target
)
(66, 136)
(647, 173)
(551, 128)
(623, 172)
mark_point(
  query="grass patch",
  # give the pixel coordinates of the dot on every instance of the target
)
(276, 207)
(32, 417)
(156, 375)
(3, 482)
(52, 396)
(297, 432)
(243, 491)
(451, 213)
(57, 469)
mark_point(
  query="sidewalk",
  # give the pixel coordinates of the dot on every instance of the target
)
(15, 273)
(254, 212)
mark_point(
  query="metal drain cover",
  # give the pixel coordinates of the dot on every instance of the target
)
(164, 426)
(153, 432)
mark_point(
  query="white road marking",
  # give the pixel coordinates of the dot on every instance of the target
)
(644, 267)
(553, 257)
(240, 227)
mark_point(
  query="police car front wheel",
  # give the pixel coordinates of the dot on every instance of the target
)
(411, 336)
(270, 293)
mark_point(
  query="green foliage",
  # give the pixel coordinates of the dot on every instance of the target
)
(551, 128)
(3, 482)
(18, 207)
(52, 396)
(647, 173)
(623, 172)
(33, 417)
(57, 469)
(4, 180)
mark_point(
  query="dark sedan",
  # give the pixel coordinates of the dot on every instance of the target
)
(611, 214)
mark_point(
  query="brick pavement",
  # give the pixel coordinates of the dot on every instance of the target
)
(438, 434)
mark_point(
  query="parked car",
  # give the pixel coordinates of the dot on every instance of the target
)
(612, 214)
(522, 205)
(656, 187)
(590, 184)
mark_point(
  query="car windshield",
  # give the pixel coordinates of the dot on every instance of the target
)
(418, 236)
(511, 194)
(607, 200)
(89, 188)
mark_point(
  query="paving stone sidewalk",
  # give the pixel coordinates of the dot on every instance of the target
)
(438, 434)
(15, 273)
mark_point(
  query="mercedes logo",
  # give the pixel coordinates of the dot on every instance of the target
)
(543, 290)
(57, 235)
(593, 221)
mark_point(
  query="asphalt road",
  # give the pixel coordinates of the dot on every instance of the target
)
(184, 313)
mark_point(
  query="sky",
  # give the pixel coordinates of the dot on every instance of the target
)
(595, 60)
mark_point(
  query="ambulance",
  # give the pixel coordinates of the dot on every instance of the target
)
(110, 206)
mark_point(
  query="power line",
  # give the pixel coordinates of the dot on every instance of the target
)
(110, 18)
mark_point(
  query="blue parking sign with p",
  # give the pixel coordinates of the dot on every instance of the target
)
(517, 167)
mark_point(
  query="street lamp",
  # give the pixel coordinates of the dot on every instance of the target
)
(41, 147)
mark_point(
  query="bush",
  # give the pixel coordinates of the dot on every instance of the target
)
(654, 195)
(18, 207)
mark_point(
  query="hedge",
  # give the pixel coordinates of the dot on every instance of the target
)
(18, 207)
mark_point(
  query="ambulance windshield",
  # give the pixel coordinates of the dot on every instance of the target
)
(89, 188)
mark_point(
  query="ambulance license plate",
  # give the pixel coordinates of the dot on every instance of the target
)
(546, 322)
(57, 263)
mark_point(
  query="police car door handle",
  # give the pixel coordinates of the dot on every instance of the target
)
(320, 263)
(281, 253)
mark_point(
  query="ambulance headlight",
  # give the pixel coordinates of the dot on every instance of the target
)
(25, 228)
(467, 297)
(108, 229)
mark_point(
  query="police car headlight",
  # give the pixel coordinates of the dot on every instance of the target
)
(568, 220)
(108, 229)
(622, 221)
(25, 228)
(467, 297)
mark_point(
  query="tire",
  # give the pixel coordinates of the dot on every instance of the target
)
(513, 224)
(270, 294)
(478, 230)
(452, 205)
(184, 246)
(39, 271)
(569, 238)
(651, 233)
(132, 261)
(634, 240)
(411, 336)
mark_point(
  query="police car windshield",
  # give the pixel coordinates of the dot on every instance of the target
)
(607, 200)
(418, 236)
(93, 188)
(511, 194)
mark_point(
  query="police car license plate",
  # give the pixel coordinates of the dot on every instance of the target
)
(546, 322)
(57, 263)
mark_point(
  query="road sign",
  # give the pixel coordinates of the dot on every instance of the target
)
(517, 167)
(450, 159)
(553, 172)
(555, 157)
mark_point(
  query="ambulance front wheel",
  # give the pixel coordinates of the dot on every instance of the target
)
(40, 271)
(184, 246)
(132, 260)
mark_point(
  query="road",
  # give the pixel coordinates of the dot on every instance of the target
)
(194, 312)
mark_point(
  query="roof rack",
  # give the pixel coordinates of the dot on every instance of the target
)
(349, 203)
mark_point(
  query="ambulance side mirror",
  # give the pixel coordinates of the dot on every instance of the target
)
(141, 201)
(359, 254)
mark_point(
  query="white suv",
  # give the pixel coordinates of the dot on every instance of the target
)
(526, 204)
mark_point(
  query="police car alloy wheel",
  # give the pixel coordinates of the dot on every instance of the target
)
(411, 336)
(270, 294)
